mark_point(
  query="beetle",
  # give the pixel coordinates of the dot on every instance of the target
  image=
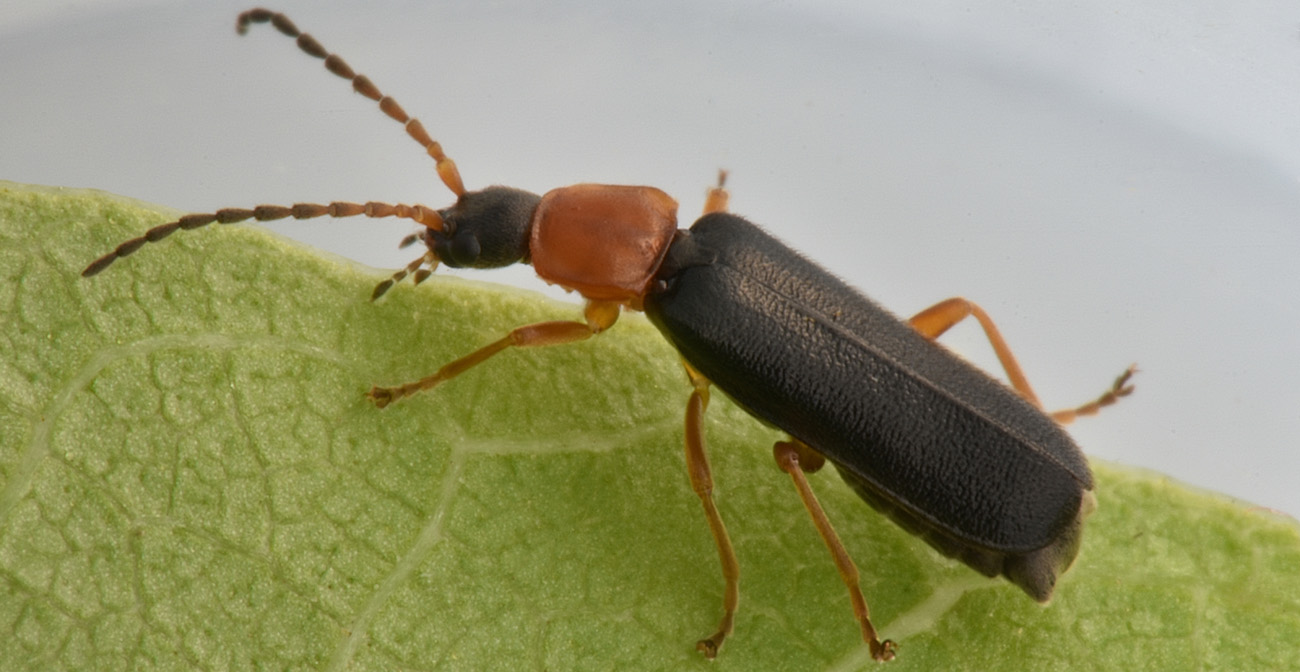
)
(973, 466)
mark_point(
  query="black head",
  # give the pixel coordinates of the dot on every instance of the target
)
(485, 229)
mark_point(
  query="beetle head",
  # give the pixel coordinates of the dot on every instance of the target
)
(485, 229)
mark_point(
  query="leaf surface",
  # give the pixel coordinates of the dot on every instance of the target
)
(190, 478)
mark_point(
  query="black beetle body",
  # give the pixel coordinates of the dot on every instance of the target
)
(926, 438)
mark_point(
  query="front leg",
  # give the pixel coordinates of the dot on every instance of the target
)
(697, 466)
(600, 315)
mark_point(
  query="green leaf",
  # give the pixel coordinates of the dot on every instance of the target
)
(191, 478)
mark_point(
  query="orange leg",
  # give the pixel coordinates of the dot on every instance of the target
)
(939, 318)
(600, 316)
(795, 457)
(697, 465)
(718, 196)
(1119, 389)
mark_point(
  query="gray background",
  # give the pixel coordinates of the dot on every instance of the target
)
(1114, 182)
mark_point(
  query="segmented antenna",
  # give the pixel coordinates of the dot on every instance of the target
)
(446, 168)
(361, 84)
(266, 213)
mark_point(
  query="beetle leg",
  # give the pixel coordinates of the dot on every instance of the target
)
(600, 316)
(697, 466)
(935, 320)
(718, 196)
(1120, 388)
(790, 456)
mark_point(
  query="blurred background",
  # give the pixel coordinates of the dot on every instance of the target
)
(1115, 182)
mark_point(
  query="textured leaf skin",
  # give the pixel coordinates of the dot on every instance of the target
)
(190, 478)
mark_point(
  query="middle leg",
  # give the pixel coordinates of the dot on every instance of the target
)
(795, 457)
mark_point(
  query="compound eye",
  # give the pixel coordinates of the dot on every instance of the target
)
(464, 249)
